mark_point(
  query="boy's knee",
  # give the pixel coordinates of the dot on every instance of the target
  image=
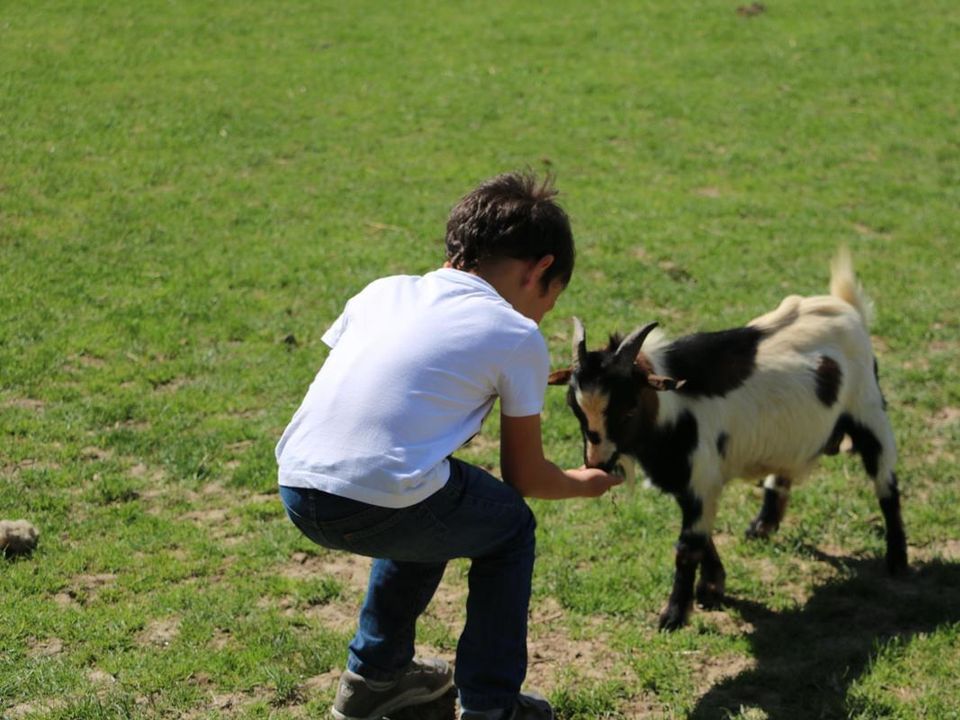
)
(527, 531)
(531, 521)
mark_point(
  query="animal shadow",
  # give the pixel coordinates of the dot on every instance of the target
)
(807, 659)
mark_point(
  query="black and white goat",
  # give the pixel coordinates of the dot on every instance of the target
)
(765, 400)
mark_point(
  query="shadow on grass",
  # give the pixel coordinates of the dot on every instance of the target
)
(807, 659)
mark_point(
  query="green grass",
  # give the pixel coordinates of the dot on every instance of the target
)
(190, 191)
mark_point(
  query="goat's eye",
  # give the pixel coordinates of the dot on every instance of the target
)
(593, 437)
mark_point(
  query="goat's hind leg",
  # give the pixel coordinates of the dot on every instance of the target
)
(776, 495)
(873, 440)
(713, 578)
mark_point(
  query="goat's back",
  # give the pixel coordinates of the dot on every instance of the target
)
(813, 362)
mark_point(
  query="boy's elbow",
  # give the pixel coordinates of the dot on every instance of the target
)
(515, 479)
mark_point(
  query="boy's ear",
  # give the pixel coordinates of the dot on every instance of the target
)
(537, 268)
(560, 377)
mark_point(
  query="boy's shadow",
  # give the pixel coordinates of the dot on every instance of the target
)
(443, 708)
(808, 658)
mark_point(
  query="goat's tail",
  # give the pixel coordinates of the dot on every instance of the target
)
(845, 286)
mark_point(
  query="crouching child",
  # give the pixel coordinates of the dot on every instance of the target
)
(366, 464)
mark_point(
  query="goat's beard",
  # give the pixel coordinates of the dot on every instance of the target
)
(626, 467)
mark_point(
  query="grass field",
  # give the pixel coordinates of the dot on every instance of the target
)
(189, 191)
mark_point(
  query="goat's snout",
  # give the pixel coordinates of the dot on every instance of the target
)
(609, 465)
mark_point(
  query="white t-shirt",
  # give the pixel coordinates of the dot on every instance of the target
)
(415, 366)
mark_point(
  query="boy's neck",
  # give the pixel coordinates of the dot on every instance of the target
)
(518, 282)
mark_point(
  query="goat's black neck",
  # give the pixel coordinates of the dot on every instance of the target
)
(664, 450)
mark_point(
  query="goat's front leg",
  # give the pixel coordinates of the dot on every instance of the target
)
(694, 548)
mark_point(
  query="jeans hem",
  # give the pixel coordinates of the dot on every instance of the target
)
(370, 673)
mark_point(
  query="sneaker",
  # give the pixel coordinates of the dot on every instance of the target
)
(421, 682)
(530, 706)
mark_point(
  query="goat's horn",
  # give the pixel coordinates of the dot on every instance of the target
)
(630, 347)
(579, 343)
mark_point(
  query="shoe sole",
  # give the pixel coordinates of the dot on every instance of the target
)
(410, 699)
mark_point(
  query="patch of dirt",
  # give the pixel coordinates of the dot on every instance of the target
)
(674, 271)
(84, 588)
(751, 10)
(643, 706)
(948, 550)
(557, 658)
(943, 346)
(14, 468)
(49, 705)
(222, 704)
(352, 571)
(95, 454)
(208, 517)
(160, 632)
(321, 684)
(65, 600)
(25, 404)
(141, 471)
(137, 425)
(222, 637)
(226, 701)
(726, 622)
(100, 677)
(219, 521)
(338, 616)
(48, 647)
(711, 670)
(945, 416)
(170, 386)
(449, 603)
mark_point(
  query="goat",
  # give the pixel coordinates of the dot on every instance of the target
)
(764, 400)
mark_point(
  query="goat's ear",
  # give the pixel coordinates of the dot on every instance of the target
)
(661, 383)
(560, 377)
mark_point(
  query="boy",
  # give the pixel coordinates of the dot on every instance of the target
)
(365, 465)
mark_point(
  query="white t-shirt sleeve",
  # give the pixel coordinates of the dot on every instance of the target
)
(333, 334)
(523, 381)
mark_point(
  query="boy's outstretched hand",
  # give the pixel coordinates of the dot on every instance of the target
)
(593, 481)
(525, 469)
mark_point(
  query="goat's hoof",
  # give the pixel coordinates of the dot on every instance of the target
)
(710, 594)
(760, 530)
(897, 565)
(673, 618)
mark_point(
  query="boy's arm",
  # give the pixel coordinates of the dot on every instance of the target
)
(526, 469)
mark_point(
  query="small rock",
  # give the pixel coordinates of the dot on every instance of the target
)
(751, 10)
(17, 537)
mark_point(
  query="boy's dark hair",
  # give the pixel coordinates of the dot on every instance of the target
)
(511, 216)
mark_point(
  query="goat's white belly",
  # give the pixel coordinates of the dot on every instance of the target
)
(781, 433)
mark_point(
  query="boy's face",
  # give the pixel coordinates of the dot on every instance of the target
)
(546, 299)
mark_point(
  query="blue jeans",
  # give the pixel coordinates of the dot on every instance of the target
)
(475, 516)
